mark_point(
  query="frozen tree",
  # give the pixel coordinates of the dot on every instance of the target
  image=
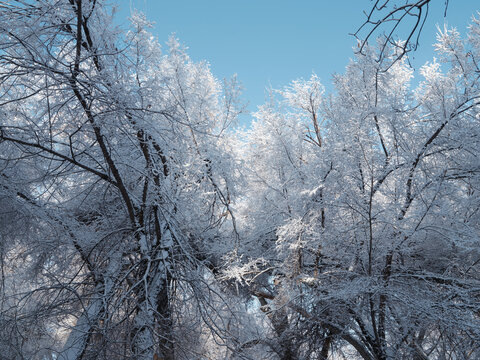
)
(135, 225)
(116, 153)
(376, 253)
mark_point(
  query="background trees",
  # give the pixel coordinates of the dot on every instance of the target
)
(135, 224)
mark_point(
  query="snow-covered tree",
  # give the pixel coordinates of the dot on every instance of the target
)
(374, 253)
(135, 225)
(118, 155)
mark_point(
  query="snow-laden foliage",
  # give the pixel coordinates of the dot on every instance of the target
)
(368, 227)
(134, 224)
(116, 153)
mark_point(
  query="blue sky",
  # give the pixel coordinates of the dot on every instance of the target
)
(272, 42)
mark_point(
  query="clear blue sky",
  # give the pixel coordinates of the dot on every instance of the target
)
(272, 42)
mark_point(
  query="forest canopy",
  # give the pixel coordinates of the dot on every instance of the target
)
(136, 222)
